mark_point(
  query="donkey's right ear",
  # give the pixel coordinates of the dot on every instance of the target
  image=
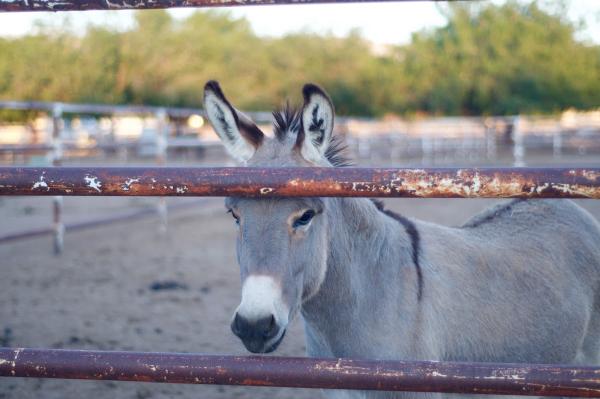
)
(238, 133)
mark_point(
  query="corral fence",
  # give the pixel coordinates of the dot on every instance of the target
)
(81, 130)
(448, 377)
(168, 121)
(518, 139)
(419, 376)
(57, 147)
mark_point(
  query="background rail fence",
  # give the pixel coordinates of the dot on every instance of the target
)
(55, 151)
(380, 375)
(428, 141)
(431, 140)
(57, 147)
(59, 112)
(96, 222)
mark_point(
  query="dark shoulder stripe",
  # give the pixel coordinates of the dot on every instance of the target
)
(478, 221)
(415, 240)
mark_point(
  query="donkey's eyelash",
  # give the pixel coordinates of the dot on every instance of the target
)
(304, 219)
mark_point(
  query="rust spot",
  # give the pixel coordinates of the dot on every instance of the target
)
(254, 382)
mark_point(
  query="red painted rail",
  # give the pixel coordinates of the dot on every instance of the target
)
(416, 376)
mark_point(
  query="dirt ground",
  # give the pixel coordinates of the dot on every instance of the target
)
(107, 290)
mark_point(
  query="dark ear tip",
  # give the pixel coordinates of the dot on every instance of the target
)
(310, 89)
(213, 86)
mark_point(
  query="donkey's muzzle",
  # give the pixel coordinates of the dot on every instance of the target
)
(258, 336)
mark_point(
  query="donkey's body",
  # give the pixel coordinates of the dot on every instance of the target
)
(517, 283)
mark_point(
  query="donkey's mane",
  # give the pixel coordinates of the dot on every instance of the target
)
(288, 120)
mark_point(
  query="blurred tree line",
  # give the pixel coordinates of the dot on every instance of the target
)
(487, 59)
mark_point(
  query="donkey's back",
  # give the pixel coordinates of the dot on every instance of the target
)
(535, 263)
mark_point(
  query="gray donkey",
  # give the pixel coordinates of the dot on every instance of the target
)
(516, 283)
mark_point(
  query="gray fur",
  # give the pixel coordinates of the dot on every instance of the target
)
(517, 283)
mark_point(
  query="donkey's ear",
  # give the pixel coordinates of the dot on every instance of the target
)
(238, 133)
(317, 123)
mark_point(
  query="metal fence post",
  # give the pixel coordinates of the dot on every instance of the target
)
(162, 129)
(57, 158)
(557, 142)
(490, 139)
(518, 147)
(427, 149)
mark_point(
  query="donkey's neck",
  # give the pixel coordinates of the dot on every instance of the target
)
(371, 284)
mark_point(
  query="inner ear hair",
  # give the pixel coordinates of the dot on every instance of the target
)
(316, 126)
(246, 127)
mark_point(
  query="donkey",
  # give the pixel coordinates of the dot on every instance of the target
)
(517, 283)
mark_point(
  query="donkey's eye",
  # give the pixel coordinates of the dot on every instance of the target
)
(304, 219)
(236, 217)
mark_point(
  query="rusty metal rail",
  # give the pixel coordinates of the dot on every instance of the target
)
(81, 5)
(304, 182)
(416, 376)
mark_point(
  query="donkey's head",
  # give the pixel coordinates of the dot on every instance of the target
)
(281, 243)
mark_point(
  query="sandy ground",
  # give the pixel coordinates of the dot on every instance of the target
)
(98, 294)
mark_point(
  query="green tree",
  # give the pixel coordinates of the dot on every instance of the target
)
(487, 59)
(501, 60)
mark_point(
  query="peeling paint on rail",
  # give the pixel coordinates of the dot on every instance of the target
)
(305, 182)
(81, 5)
(416, 376)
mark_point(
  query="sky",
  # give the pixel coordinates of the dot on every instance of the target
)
(383, 23)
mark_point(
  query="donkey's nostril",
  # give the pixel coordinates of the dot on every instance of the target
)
(264, 328)
(269, 329)
(236, 325)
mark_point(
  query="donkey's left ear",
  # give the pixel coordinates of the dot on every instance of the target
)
(317, 124)
(238, 133)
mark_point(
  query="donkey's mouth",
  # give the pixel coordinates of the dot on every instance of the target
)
(256, 347)
(275, 345)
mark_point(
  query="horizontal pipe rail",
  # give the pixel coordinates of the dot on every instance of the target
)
(416, 376)
(101, 109)
(82, 5)
(87, 224)
(304, 182)
(113, 109)
(174, 144)
(30, 148)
